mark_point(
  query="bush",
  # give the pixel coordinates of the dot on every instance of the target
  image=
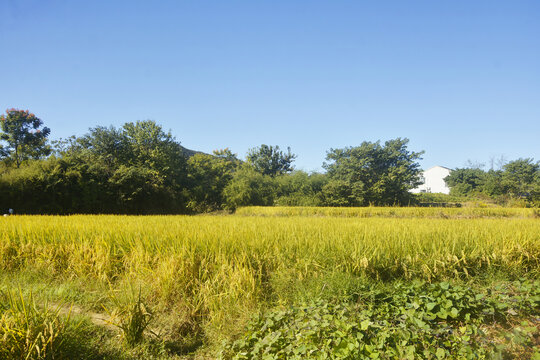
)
(249, 187)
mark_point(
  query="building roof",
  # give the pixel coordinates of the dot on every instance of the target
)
(438, 166)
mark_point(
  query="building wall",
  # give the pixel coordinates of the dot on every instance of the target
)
(434, 181)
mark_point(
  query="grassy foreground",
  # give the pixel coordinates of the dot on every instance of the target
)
(325, 285)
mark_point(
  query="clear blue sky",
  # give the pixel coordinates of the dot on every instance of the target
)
(460, 79)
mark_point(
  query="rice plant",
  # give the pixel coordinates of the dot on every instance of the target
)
(29, 331)
(394, 212)
(221, 269)
(132, 317)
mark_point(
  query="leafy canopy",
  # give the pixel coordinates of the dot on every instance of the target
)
(249, 187)
(208, 175)
(521, 176)
(269, 160)
(141, 167)
(372, 174)
(518, 179)
(24, 135)
(465, 181)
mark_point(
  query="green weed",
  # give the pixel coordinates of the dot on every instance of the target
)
(408, 321)
(132, 317)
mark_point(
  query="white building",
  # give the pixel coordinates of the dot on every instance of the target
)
(433, 179)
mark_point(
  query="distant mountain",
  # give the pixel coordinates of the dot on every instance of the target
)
(189, 153)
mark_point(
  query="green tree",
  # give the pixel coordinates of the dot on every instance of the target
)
(466, 181)
(249, 187)
(139, 168)
(372, 174)
(492, 183)
(300, 189)
(270, 160)
(25, 136)
(338, 192)
(107, 145)
(208, 177)
(519, 176)
(147, 144)
(141, 190)
(56, 186)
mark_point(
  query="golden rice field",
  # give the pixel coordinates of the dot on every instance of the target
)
(398, 212)
(207, 247)
(217, 269)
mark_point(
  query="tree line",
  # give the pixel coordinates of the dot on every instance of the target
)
(139, 168)
(516, 181)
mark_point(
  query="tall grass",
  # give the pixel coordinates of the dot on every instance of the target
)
(28, 330)
(214, 270)
(395, 212)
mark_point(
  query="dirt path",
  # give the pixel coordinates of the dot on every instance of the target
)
(96, 318)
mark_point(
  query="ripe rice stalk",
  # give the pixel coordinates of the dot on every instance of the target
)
(222, 265)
